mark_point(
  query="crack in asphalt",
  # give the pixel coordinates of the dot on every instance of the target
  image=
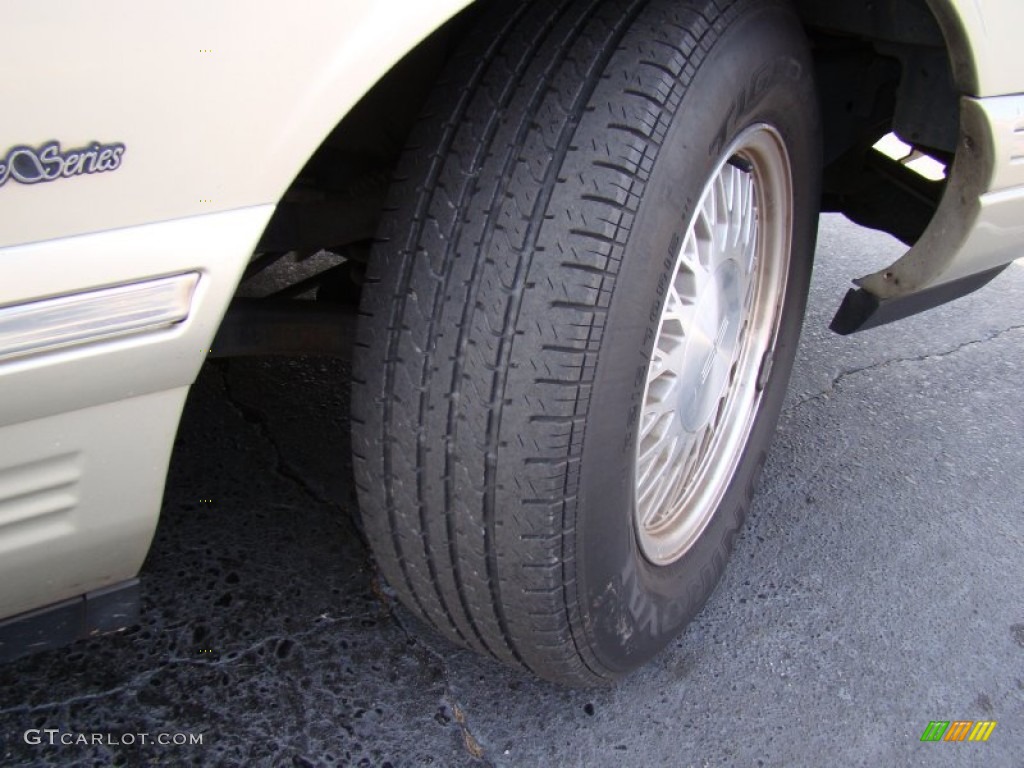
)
(231, 657)
(780, 494)
(260, 423)
(138, 681)
(26, 709)
(469, 741)
(843, 375)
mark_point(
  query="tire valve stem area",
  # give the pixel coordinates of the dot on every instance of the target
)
(741, 163)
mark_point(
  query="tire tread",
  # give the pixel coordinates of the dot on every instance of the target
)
(484, 309)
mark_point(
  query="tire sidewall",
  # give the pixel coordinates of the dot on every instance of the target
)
(758, 72)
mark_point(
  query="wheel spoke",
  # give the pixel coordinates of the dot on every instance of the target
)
(659, 364)
(655, 503)
(676, 309)
(655, 410)
(656, 445)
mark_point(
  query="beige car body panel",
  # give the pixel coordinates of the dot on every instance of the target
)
(984, 41)
(219, 105)
(86, 430)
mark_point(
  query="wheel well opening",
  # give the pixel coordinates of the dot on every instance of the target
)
(316, 244)
(321, 230)
(890, 110)
(884, 72)
(889, 100)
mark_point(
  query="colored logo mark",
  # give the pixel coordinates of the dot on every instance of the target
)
(958, 730)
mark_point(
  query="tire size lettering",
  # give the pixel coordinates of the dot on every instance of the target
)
(760, 83)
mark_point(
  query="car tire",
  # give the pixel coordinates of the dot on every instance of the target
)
(596, 192)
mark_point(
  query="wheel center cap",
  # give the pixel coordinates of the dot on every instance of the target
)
(711, 346)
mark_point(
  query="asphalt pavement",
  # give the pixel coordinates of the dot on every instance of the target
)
(879, 585)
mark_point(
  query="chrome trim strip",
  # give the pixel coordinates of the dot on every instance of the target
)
(81, 318)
